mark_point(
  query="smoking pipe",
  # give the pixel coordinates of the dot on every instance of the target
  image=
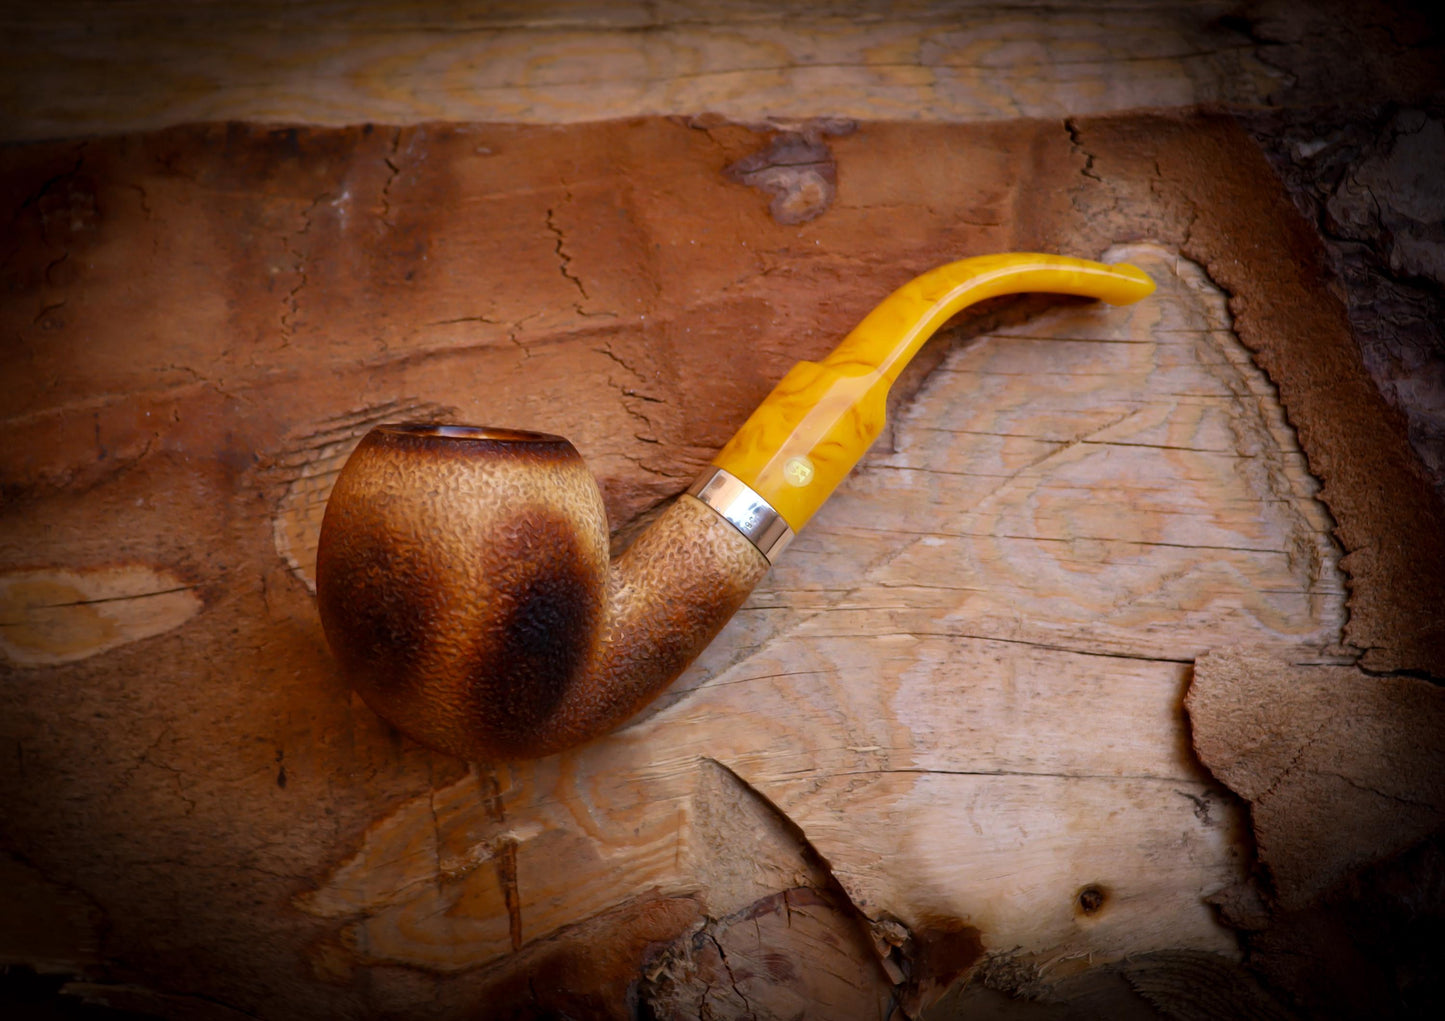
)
(463, 576)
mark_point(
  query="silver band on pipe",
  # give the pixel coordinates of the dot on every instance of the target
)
(745, 510)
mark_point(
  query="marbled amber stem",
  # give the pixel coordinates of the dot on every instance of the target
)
(818, 421)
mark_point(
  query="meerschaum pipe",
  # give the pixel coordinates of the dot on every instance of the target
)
(463, 576)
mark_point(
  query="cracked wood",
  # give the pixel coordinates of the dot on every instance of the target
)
(953, 706)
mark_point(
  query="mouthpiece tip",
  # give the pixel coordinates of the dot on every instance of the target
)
(1131, 284)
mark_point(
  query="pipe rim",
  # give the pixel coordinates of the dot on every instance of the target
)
(466, 433)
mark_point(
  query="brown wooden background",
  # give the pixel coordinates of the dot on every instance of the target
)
(1105, 685)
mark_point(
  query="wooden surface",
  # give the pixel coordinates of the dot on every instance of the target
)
(79, 67)
(945, 738)
(973, 626)
(940, 765)
(1363, 788)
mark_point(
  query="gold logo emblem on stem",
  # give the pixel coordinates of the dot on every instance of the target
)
(798, 471)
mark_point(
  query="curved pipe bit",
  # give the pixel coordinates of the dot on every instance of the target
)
(463, 577)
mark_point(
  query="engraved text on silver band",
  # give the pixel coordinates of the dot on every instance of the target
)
(745, 510)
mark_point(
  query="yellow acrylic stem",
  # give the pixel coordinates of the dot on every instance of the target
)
(811, 430)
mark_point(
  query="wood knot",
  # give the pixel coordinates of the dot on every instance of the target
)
(1091, 899)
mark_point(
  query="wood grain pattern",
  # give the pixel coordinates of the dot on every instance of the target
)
(948, 727)
(58, 616)
(78, 67)
(1387, 513)
(973, 658)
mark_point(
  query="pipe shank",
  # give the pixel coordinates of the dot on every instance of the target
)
(670, 593)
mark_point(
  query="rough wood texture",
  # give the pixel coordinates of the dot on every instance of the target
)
(1341, 770)
(944, 738)
(1221, 204)
(80, 67)
(1371, 184)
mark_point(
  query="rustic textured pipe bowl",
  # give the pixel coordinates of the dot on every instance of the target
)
(464, 585)
(463, 576)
